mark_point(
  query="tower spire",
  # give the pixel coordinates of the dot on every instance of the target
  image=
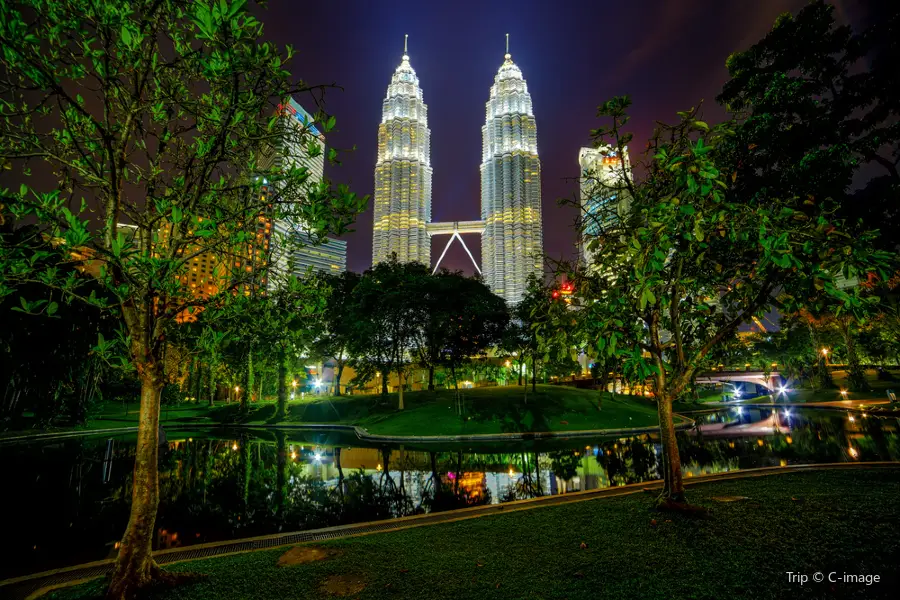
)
(507, 47)
(405, 44)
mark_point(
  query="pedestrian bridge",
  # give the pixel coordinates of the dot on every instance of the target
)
(455, 229)
(757, 377)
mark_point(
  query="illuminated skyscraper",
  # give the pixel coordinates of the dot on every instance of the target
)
(511, 246)
(403, 172)
(604, 197)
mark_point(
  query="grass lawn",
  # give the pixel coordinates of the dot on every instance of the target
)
(485, 410)
(829, 521)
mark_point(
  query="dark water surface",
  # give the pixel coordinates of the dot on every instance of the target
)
(66, 502)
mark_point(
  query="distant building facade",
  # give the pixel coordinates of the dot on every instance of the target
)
(293, 251)
(330, 256)
(604, 198)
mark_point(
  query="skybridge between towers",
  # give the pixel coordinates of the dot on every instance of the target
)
(455, 229)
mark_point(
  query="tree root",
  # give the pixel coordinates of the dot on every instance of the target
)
(667, 504)
(155, 580)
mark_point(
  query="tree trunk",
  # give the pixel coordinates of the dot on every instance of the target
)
(198, 379)
(400, 382)
(604, 380)
(856, 374)
(339, 373)
(673, 489)
(520, 372)
(282, 388)
(821, 374)
(248, 384)
(135, 568)
(533, 373)
(384, 383)
(430, 378)
(213, 388)
(259, 395)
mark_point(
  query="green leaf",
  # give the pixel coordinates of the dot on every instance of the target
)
(177, 214)
(52, 308)
(126, 35)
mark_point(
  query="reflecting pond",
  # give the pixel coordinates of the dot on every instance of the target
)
(66, 502)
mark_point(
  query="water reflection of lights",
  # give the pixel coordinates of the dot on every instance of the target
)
(739, 410)
(787, 413)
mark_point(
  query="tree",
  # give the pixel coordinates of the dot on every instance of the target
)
(283, 323)
(53, 363)
(154, 113)
(476, 323)
(390, 315)
(528, 314)
(339, 317)
(691, 260)
(817, 100)
(462, 318)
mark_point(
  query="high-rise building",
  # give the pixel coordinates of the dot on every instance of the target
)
(291, 253)
(403, 172)
(604, 197)
(328, 256)
(511, 246)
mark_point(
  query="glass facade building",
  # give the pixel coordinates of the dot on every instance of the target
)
(511, 245)
(402, 199)
(604, 197)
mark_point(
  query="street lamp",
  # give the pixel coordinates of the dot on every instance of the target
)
(825, 354)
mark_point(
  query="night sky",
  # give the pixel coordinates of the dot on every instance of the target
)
(668, 55)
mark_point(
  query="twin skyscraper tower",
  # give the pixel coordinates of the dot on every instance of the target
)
(510, 225)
